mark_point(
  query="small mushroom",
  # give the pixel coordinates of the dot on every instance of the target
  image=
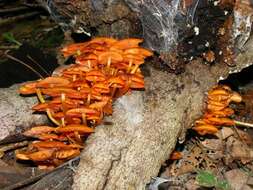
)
(95, 76)
(205, 129)
(109, 57)
(127, 43)
(73, 128)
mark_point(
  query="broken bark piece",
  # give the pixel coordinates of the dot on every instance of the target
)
(146, 125)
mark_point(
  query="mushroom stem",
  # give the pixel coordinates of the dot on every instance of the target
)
(74, 78)
(63, 121)
(63, 99)
(49, 114)
(109, 62)
(39, 95)
(84, 119)
(88, 99)
(115, 72)
(129, 66)
(113, 91)
(42, 100)
(134, 69)
(243, 124)
(89, 64)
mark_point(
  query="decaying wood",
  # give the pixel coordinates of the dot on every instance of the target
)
(145, 126)
(95, 17)
(16, 114)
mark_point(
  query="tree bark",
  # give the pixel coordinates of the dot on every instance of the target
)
(95, 17)
(16, 114)
(145, 126)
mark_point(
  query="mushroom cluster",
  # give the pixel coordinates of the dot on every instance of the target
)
(79, 96)
(218, 111)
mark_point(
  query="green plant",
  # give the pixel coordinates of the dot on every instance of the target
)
(8, 36)
(208, 179)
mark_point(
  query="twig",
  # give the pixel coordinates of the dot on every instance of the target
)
(9, 47)
(243, 124)
(44, 70)
(13, 146)
(22, 63)
(10, 10)
(17, 18)
(33, 5)
(38, 177)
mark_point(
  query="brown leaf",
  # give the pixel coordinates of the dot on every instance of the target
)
(239, 150)
(226, 132)
(237, 179)
(212, 144)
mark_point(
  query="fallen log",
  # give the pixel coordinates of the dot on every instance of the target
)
(146, 125)
(130, 147)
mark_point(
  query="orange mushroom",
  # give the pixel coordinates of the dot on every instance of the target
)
(67, 154)
(101, 87)
(51, 82)
(95, 76)
(80, 95)
(139, 51)
(54, 144)
(28, 88)
(38, 130)
(109, 57)
(205, 129)
(127, 43)
(103, 40)
(73, 128)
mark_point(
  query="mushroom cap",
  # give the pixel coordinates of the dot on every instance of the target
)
(134, 58)
(101, 104)
(73, 48)
(86, 62)
(53, 82)
(220, 121)
(95, 75)
(139, 51)
(102, 87)
(70, 93)
(114, 56)
(121, 65)
(74, 127)
(88, 56)
(120, 51)
(77, 112)
(38, 130)
(102, 40)
(116, 82)
(28, 88)
(97, 46)
(54, 144)
(41, 155)
(136, 81)
(82, 83)
(205, 129)
(127, 43)
(66, 154)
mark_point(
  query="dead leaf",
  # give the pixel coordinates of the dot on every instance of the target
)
(191, 185)
(213, 144)
(239, 150)
(226, 132)
(237, 179)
